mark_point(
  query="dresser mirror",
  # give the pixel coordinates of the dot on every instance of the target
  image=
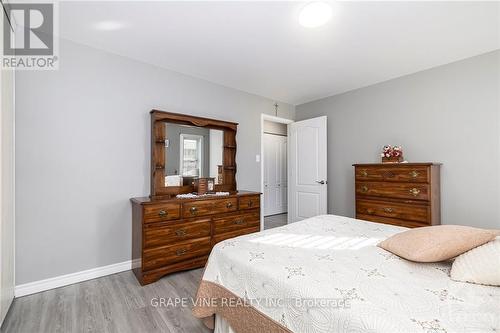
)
(192, 152)
(185, 148)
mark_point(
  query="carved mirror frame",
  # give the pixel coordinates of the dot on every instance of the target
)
(158, 160)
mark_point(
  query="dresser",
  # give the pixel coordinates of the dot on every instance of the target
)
(178, 234)
(175, 228)
(404, 194)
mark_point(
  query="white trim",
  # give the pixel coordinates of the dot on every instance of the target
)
(267, 117)
(65, 280)
(14, 163)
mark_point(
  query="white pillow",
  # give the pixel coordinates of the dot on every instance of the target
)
(480, 265)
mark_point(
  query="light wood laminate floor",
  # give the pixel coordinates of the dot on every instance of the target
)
(115, 303)
(274, 221)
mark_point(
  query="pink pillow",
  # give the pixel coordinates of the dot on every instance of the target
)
(436, 243)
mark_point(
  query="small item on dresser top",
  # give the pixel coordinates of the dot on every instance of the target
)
(436, 243)
(187, 196)
(204, 185)
(392, 154)
(193, 195)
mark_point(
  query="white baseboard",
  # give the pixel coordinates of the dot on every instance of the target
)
(65, 280)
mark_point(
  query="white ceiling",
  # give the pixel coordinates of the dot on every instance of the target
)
(259, 47)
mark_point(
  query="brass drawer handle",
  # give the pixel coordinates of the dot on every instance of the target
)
(388, 210)
(364, 189)
(162, 213)
(414, 191)
(370, 211)
(238, 222)
(180, 252)
(180, 232)
(364, 173)
(229, 205)
(250, 203)
(414, 174)
(193, 210)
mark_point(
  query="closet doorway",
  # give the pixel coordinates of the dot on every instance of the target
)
(274, 171)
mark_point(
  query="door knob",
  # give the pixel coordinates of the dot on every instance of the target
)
(322, 182)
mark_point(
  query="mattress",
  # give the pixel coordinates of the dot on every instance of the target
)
(326, 274)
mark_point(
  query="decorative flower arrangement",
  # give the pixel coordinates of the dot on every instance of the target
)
(392, 154)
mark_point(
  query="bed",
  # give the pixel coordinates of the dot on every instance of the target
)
(326, 274)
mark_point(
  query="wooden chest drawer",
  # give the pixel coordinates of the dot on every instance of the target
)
(388, 220)
(250, 202)
(394, 173)
(162, 212)
(220, 237)
(418, 213)
(209, 207)
(414, 191)
(166, 255)
(159, 234)
(236, 222)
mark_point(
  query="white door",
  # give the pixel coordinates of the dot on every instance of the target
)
(283, 178)
(275, 176)
(269, 175)
(308, 167)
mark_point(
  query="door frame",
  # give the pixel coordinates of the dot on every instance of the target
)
(10, 154)
(274, 119)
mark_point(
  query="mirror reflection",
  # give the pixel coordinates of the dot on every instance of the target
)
(192, 152)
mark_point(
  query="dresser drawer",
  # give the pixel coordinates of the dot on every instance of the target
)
(162, 212)
(414, 191)
(388, 220)
(250, 202)
(220, 237)
(418, 213)
(394, 173)
(159, 234)
(208, 207)
(166, 255)
(236, 222)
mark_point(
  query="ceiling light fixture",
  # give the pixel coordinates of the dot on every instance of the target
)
(108, 25)
(315, 14)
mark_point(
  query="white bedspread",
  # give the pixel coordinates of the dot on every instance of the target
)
(335, 259)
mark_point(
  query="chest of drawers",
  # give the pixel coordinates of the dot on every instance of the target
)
(178, 234)
(406, 194)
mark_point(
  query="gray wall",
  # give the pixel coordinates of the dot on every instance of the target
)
(449, 114)
(82, 151)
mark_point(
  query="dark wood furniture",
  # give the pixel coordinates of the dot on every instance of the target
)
(403, 194)
(158, 159)
(171, 234)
